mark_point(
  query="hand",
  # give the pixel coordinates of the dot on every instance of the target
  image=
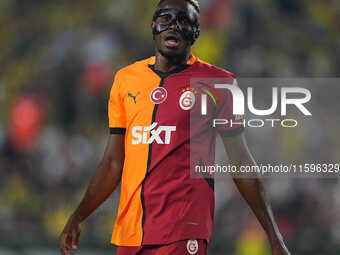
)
(69, 238)
(280, 249)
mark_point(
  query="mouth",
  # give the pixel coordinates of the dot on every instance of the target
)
(172, 41)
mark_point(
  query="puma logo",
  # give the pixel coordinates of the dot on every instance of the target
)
(132, 96)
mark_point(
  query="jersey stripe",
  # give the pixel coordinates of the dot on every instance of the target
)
(148, 162)
(120, 131)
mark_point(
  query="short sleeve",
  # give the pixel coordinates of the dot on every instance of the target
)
(116, 112)
(232, 124)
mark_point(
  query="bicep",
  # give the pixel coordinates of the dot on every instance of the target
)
(237, 149)
(114, 152)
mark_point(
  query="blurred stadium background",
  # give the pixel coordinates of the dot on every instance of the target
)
(57, 62)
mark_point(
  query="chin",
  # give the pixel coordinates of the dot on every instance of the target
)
(171, 52)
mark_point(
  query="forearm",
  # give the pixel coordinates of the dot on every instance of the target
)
(102, 184)
(253, 192)
(251, 188)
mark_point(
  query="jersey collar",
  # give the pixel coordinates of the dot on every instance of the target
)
(192, 59)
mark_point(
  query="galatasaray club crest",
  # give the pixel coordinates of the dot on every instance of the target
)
(187, 99)
(192, 246)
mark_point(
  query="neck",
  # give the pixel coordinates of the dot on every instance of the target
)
(167, 64)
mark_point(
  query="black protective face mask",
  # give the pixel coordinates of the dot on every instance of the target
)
(164, 18)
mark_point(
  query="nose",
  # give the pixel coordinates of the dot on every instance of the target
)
(174, 26)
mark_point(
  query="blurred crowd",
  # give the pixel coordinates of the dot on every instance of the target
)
(58, 60)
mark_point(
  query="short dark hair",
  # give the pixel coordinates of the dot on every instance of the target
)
(192, 2)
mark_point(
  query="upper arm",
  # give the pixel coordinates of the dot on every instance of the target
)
(114, 153)
(116, 110)
(231, 131)
(237, 149)
(234, 145)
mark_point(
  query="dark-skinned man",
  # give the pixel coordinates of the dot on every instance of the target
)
(163, 210)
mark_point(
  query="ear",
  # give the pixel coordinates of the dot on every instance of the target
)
(196, 35)
(153, 25)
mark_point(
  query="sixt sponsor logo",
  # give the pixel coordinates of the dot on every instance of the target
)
(150, 134)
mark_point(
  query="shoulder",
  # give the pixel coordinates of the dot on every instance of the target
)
(211, 70)
(135, 68)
